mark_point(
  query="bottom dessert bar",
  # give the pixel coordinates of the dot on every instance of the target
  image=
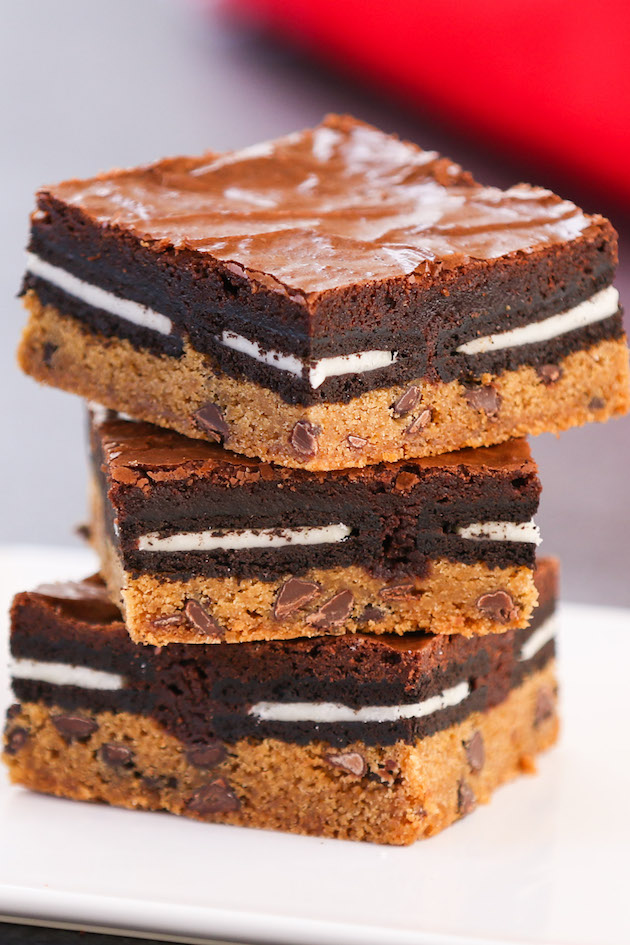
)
(365, 738)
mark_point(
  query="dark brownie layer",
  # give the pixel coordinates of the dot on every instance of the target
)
(201, 692)
(389, 248)
(401, 515)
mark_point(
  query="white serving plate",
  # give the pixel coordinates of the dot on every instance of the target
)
(546, 863)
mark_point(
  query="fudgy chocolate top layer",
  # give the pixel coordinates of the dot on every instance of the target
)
(338, 205)
(328, 242)
(400, 515)
(199, 690)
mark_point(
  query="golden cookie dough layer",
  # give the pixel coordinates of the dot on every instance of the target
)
(395, 794)
(57, 350)
(443, 602)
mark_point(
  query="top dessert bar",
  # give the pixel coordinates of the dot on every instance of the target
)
(331, 299)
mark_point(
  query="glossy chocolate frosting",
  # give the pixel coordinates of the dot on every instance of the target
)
(341, 204)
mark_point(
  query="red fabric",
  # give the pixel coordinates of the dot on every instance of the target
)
(548, 78)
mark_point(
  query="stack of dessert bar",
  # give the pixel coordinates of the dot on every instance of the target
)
(310, 365)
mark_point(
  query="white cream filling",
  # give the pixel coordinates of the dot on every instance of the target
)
(359, 363)
(99, 298)
(247, 538)
(502, 531)
(542, 635)
(318, 372)
(99, 413)
(600, 306)
(284, 362)
(320, 712)
(64, 674)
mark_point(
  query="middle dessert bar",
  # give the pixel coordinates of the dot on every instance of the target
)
(201, 546)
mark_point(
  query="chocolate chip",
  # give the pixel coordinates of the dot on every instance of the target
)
(210, 419)
(303, 439)
(466, 802)
(596, 403)
(475, 752)
(405, 481)
(545, 706)
(208, 755)
(370, 614)
(356, 442)
(14, 710)
(418, 425)
(498, 606)
(203, 621)
(407, 401)
(549, 373)
(16, 739)
(403, 591)
(217, 797)
(170, 620)
(333, 612)
(350, 761)
(47, 352)
(74, 728)
(158, 782)
(116, 756)
(293, 595)
(84, 532)
(265, 471)
(484, 398)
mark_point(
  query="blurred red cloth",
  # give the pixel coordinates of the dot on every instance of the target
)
(546, 78)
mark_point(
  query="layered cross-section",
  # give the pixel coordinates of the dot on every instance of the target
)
(382, 738)
(200, 545)
(331, 299)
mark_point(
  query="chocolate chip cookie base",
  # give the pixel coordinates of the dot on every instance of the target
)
(191, 395)
(469, 599)
(393, 795)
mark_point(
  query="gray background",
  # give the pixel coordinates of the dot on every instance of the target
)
(87, 86)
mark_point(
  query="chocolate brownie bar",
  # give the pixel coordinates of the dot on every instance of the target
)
(331, 299)
(385, 738)
(201, 545)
